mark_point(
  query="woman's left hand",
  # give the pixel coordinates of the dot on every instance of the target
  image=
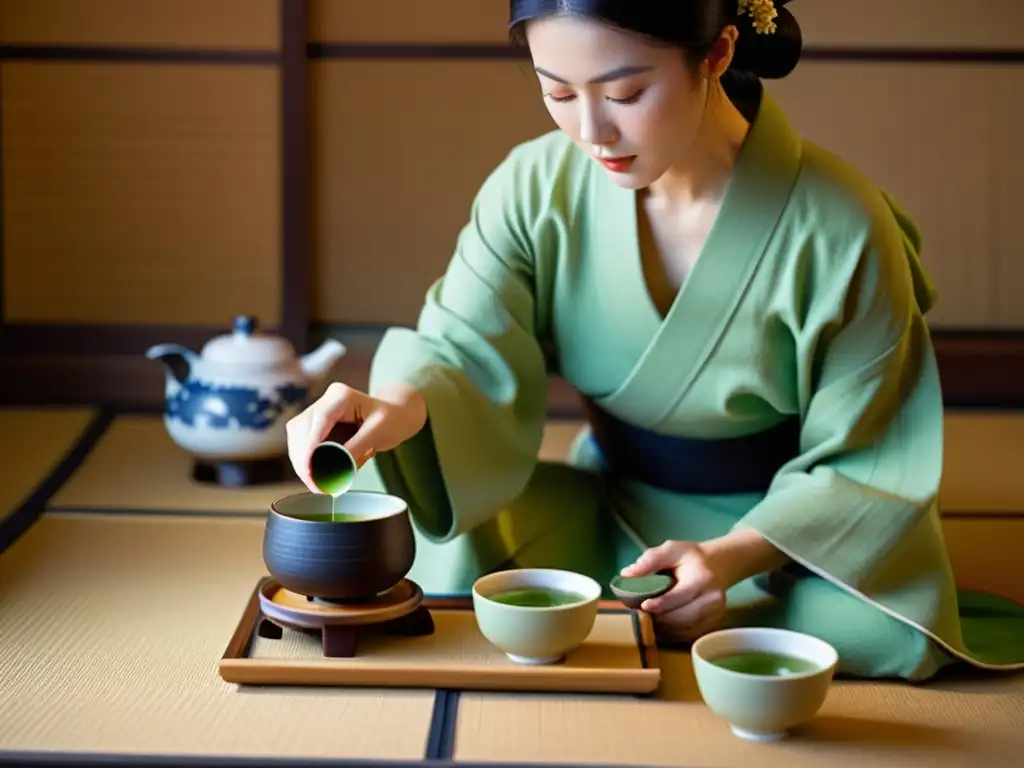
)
(696, 603)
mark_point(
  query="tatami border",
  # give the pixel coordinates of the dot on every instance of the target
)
(199, 761)
(440, 743)
(29, 510)
(441, 734)
(147, 410)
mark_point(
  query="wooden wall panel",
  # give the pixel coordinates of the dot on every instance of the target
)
(1005, 156)
(864, 23)
(409, 21)
(880, 117)
(238, 24)
(911, 23)
(400, 149)
(925, 133)
(986, 554)
(140, 194)
(930, 133)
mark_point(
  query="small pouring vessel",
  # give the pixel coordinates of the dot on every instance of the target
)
(332, 468)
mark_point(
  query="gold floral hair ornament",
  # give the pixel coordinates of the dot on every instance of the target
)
(763, 13)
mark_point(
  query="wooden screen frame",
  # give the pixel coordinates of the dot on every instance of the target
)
(43, 364)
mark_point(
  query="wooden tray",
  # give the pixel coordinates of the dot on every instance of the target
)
(620, 656)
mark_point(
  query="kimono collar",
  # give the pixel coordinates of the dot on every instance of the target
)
(769, 160)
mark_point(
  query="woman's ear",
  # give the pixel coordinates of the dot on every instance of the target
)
(720, 56)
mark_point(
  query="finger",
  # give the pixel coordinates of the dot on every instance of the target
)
(683, 593)
(665, 555)
(332, 407)
(363, 444)
(342, 431)
(703, 607)
(310, 428)
(693, 578)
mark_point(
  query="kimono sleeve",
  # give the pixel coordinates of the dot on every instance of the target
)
(475, 359)
(859, 499)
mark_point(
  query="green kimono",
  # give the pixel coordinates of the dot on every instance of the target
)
(808, 301)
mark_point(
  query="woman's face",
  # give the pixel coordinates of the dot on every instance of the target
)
(633, 106)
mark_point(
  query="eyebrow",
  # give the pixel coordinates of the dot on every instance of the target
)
(607, 77)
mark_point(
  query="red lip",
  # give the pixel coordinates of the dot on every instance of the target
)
(617, 164)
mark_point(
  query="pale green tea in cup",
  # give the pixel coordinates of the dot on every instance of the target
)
(763, 681)
(537, 597)
(536, 615)
(764, 663)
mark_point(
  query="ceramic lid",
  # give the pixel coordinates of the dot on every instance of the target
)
(244, 346)
(652, 585)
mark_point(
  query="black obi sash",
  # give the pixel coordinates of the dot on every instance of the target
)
(745, 464)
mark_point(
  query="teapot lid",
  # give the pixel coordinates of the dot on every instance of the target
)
(244, 346)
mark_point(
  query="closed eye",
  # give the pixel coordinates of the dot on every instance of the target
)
(629, 99)
(633, 99)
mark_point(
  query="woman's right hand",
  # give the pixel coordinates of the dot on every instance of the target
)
(382, 422)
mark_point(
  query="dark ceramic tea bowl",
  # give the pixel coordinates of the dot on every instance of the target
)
(361, 547)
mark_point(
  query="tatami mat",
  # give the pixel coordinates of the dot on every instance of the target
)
(136, 466)
(32, 444)
(978, 723)
(892, 724)
(113, 627)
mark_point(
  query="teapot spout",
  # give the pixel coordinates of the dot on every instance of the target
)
(318, 363)
(177, 360)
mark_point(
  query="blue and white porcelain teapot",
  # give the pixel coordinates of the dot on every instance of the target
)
(231, 402)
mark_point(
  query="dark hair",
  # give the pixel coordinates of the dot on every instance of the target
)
(693, 25)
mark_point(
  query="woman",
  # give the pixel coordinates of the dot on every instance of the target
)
(744, 316)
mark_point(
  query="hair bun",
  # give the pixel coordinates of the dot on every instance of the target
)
(770, 56)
